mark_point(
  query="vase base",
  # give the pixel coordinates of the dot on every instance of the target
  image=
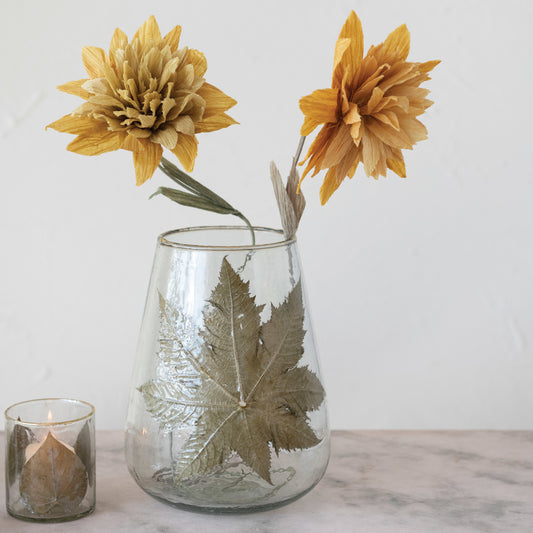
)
(48, 520)
(247, 509)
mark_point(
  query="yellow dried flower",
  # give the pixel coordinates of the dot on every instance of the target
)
(369, 114)
(145, 95)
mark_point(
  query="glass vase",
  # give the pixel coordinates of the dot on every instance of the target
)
(227, 412)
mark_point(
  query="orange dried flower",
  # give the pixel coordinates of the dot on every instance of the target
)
(369, 114)
(145, 95)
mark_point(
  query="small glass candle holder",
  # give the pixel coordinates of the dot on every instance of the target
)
(50, 460)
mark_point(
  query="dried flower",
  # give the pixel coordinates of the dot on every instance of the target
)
(369, 114)
(145, 95)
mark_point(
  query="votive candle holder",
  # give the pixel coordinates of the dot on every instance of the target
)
(50, 460)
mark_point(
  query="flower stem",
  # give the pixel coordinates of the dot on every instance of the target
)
(298, 153)
(247, 222)
(197, 195)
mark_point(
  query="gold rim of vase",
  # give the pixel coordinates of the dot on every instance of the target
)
(165, 241)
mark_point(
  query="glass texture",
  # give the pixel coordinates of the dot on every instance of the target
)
(187, 269)
(50, 456)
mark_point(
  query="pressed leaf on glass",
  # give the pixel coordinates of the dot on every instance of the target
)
(84, 450)
(240, 386)
(21, 437)
(54, 480)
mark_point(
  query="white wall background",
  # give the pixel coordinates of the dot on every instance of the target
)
(421, 289)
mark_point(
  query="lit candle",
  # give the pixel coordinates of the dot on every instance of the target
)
(33, 448)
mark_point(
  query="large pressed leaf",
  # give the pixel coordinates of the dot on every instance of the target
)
(239, 386)
(231, 336)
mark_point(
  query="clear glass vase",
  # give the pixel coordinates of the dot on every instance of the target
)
(227, 412)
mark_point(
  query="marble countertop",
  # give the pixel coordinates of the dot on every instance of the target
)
(377, 482)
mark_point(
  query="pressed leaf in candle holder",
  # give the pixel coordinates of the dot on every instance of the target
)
(21, 437)
(83, 449)
(54, 480)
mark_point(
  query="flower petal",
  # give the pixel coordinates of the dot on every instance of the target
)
(317, 150)
(96, 144)
(413, 128)
(184, 77)
(350, 159)
(119, 40)
(356, 161)
(184, 124)
(308, 126)
(93, 61)
(388, 117)
(216, 101)
(214, 123)
(112, 78)
(351, 59)
(132, 144)
(319, 107)
(198, 61)
(106, 101)
(388, 135)
(75, 88)
(352, 116)
(186, 151)
(355, 132)
(398, 74)
(339, 146)
(77, 125)
(340, 48)
(371, 152)
(139, 133)
(365, 89)
(375, 98)
(98, 86)
(149, 31)
(398, 42)
(169, 69)
(168, 137)
(84, 109)
(146, 161)
(172, 38)
(330, 184)
(428, 65)
(397, 165)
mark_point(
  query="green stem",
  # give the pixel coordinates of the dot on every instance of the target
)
(247, 222)
(198, 195)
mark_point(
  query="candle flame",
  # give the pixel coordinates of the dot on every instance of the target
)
(145, 431)
(49, 415)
